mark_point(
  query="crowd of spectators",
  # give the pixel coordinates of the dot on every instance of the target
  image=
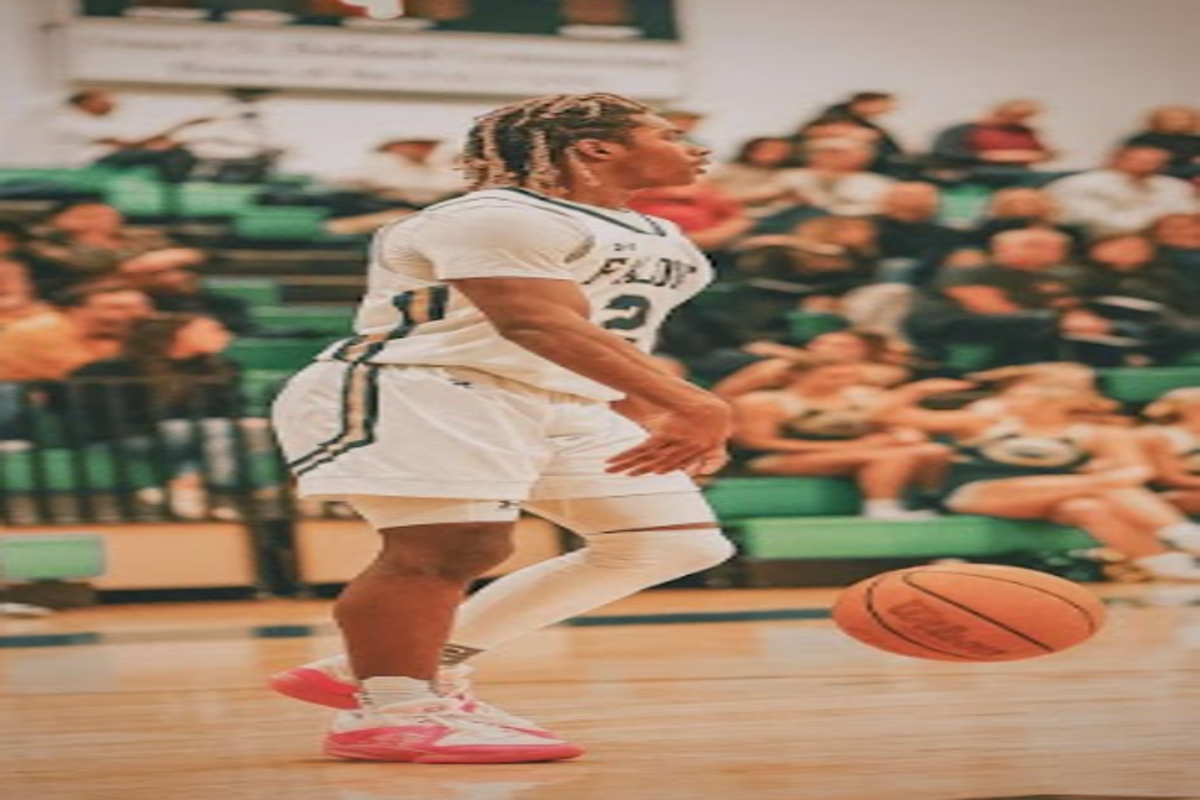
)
(841, 278)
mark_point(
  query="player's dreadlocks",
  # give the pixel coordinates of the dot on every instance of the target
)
(529, 143)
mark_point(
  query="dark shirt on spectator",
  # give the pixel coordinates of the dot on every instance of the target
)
(927, 243)
(1024, 288)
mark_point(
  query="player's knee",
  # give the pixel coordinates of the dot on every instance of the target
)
(672, 552)
(455, 555)
(1079, 509)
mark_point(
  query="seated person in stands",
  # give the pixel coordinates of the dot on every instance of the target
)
(818, 262)
(1177, 237)
(1172, 444)
(1126, 196)
(819, 423)
(1122, 281)
(752, 177)
(408, 172)
(92, 323)
(711, 219)
(835, 177)
(1175, 129)
(908, 229)
(860, 113)
(1000, 149)
(92, 131)
(172, 391)
(1040, 462)
(1018, 208)
(18, 296)
(174, 286)
(47, 276)
(881, 362)
(1016, 304)
(88, 239)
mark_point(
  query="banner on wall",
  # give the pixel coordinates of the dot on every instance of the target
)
(127, 51)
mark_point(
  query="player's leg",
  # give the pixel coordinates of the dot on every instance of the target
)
(1099, 517)
(1144, 508)
(1033, 497)
(395, 617)
(1187, 501)
(630, 543)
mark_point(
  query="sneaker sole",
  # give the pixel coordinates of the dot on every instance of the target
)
(314, 686)
(367, 753)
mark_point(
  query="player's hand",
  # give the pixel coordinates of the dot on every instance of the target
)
(685, 438)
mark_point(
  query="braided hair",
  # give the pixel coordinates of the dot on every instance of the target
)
(530, 143)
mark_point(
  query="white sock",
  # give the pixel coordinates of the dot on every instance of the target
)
(1182, 534)
(888, 506)
(610, 567)
(383, 691)
(1169, 564)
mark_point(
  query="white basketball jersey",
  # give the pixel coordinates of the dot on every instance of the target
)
(632, 267)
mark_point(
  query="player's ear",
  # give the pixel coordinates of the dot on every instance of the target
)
(596, 149)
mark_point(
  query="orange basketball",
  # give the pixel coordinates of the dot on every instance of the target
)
(969, 612)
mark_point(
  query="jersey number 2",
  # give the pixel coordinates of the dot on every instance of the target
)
(635, 312)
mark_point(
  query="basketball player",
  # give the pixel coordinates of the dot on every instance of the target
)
(501, 362)
(1038, 461)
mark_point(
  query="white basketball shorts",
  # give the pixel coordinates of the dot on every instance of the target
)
(420, 431)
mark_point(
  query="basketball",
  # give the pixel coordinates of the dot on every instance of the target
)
(969, 612)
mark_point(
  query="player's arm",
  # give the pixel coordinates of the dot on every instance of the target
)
(1165, 463)
(899, 408)
(551, 319)
(1118, 458)
(757, 420)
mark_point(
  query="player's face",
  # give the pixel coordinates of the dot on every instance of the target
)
(658, 154)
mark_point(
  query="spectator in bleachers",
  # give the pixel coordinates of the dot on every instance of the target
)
(1040, 462)
(408, 172)
(1127, 195)
(1172, 443)
(814, 266)
(88, 239)
(861, 110)
(1018, 208)
(1123, 281)
(1000, 149)
(1015, 303)
(93, 131)
(908, 230)
(835, 177)
(175, 286)
(18, 296)
(171, 388)
(711, 219)
(92, 323)
(993, 383)
(1175, 129)
(881, 362)
(752, 177)
(1177, 237)
(819, 424)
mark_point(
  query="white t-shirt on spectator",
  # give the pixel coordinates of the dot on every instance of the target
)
(1108, 201)
(853, 194)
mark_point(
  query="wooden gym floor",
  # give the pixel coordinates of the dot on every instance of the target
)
(164, 702)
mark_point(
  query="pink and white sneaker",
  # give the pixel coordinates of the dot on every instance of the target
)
(436, 731)
(328, 683)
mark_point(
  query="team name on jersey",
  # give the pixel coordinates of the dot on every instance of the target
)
(670, 273)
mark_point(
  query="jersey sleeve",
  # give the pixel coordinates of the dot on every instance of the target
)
(500, 243)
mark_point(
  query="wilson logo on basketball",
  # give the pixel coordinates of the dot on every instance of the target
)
(923, 619)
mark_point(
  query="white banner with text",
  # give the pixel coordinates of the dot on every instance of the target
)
(127, 51)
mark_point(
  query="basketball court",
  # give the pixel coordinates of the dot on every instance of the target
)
(677, 694)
